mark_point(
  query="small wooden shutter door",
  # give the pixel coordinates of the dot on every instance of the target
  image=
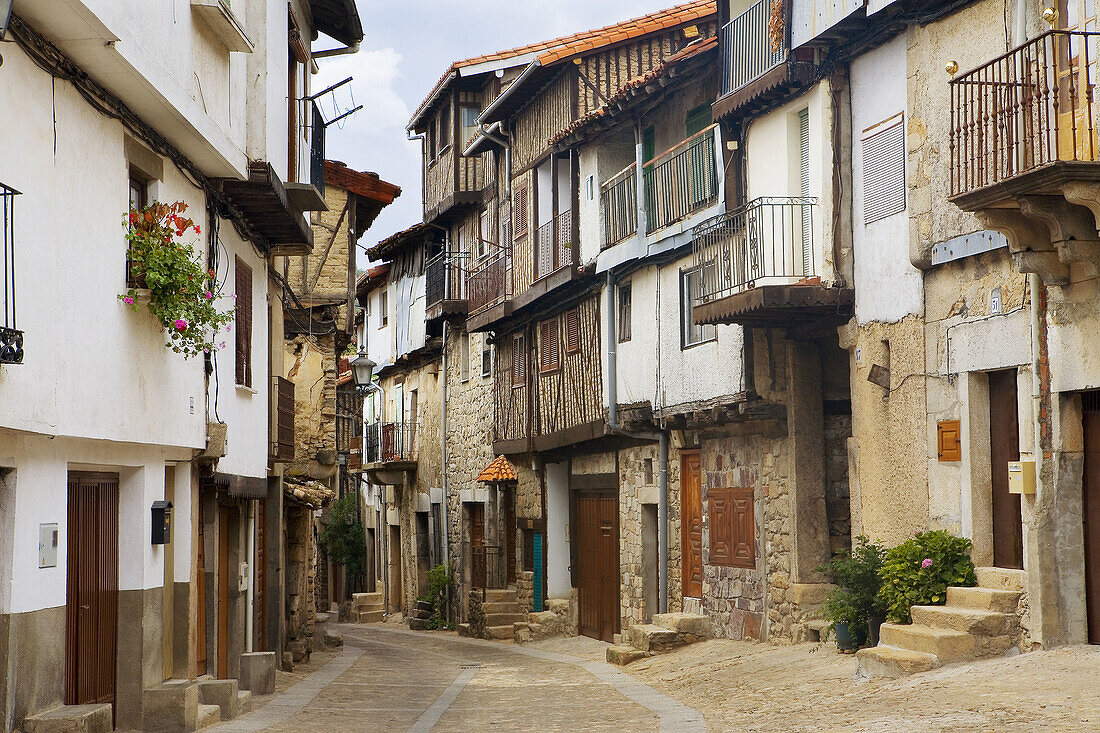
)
(91, 608)
(243, 278)
(572, 331)
(732, 527)
(519, 371)
(519, 207)
(549, 346)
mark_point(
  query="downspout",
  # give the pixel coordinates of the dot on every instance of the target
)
(250, 597)
(443, 478)
(661, 437)
(329, 52)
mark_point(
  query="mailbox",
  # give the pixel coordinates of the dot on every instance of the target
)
(162, 522)
(1021, 477)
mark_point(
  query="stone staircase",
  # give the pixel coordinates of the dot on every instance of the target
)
(668, 631)
(502, 611)
(367, 608)
(982, 621)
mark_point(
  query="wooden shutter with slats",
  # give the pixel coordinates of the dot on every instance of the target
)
(243, 278)
(549, 346)
(732, 527)
(519, 209)
(519, 360)
(884, 171)
(572, 331)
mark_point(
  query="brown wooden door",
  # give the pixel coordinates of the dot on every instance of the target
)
(91, 604)
(477, 545)
(260, 595)
(1004, 446)
(1091, 513)
(223, 592)
(598, 564)
(510, 534)
(691, 524)
(200, 607)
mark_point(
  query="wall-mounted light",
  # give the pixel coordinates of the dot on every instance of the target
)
(952, 67)
(1050, 15)
(362, 369)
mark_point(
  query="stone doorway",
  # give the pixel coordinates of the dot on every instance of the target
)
(1004, 446)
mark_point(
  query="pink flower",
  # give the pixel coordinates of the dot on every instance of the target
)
(181, 324)
(926, 562)
(221, 345)
(209, 295)
(228, 329)
(233, 296)
(128, 300)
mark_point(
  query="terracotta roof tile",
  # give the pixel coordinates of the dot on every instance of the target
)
(499, 471)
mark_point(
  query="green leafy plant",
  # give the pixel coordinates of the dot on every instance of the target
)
(181, 291)
(856, 598)
(919, 571)
(343, 538)
(439, 580)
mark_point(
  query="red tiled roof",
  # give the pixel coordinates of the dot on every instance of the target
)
(395, 242)
(560, 48)
(368, 185)
(499, 471)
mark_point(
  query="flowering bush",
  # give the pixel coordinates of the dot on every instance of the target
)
(855, 600)
(918, 572)
(181, 290)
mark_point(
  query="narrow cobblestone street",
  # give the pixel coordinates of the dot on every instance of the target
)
(400, 680)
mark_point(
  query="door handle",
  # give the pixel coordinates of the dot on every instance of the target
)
(85, 607)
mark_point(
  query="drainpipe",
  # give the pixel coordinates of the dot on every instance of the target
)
(250, 597)
(443, 473)
(660, 437)
(639, 177)
(328, 52)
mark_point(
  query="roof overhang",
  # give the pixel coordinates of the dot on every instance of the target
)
(337, 19)
(263, 202)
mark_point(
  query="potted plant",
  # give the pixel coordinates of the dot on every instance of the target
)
(919, 571)
(180, 291)
(854, 609)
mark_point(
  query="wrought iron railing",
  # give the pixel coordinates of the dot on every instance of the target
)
(486, 568)
(619, 204)
(489, 281)
(11, 338)
(681, 181)
(385, 442)
(548, 257)
(445, 278)
(1024, 109)
(767, 239)
(749, 48)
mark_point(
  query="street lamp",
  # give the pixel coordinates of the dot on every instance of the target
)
(362, 368)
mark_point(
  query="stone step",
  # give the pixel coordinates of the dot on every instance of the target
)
(222, 693)
(501, 607)
(361, 600)
(984, 599)
(817, 629)
(624, 655)
(464, 630)
(651, 637)
(499, 632)
(370, 617)
(500, 595)
(500, 619)
(71, 719)
(690, 626)
(970, 620)
(1001, 579)
(891, 662)
(208, 715)
(244, 702)
(947, 645)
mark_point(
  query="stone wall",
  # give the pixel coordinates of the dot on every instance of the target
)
(324, 274)
(311, 366)
(838, 429)
(634, 492)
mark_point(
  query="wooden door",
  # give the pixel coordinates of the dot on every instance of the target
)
(477, 545)
(1091, 513)
(260, 594)
(510, 535)
(598, 564)
(200, 581)
(691, 524)
(1004, 446)
(91, 603)
(223, 592)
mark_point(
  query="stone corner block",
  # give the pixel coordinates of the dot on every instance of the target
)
(71, 719)
(258, 673)
(170, 707)
(222, 693)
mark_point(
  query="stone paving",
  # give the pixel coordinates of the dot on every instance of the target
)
(388, 678)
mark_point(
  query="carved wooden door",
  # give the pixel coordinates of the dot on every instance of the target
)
(691, 524)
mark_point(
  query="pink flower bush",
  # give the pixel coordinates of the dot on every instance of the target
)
(181, 324)
(128, 300)
(926, 562)
(209, 295)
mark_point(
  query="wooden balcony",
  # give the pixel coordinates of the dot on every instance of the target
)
(681, 181)
(389, 452)
(445, 285)
(453, 180)
(757, 65)
(1024, 151)
(757, 266)
(619, 204)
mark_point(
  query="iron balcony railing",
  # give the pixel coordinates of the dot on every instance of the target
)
(490, 281)
(1024, 109)
(446, 278)
(766, 240)
(11, 338)
(385, 442)
(749, 47)
(548, 258)
(681, 181)
(619, 203)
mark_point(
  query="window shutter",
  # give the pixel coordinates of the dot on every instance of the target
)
(519, 371)
(243, 314)
(549, 346)
(884, 172)
(732, 527)
(572, 331)
(519, 207)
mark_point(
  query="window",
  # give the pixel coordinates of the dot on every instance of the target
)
(572, 331)
(590, 187)
(732, 527)
(648, 472)
(519, 212)
(383, 309)
(624, 313)
(243, 282)
(528, 550)
(467, 119)
(698, 119)
(884, 170)
(484, 229)
(519, 360)
(549, 346)
(139, 197)
(692, 333)
(464, 357)
(444, 128)
(486, 357)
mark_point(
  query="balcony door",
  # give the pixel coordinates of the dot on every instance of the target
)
(1074, 72)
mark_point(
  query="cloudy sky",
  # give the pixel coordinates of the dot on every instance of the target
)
(408, 46)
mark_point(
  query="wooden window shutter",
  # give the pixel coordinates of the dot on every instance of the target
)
(732, 527)
(519, 360)
(519, 207)
(948, 440)
(884, 171)
(243, 315)
(572, 331)
(549, 346)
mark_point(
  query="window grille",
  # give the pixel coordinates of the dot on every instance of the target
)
(11, 338)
